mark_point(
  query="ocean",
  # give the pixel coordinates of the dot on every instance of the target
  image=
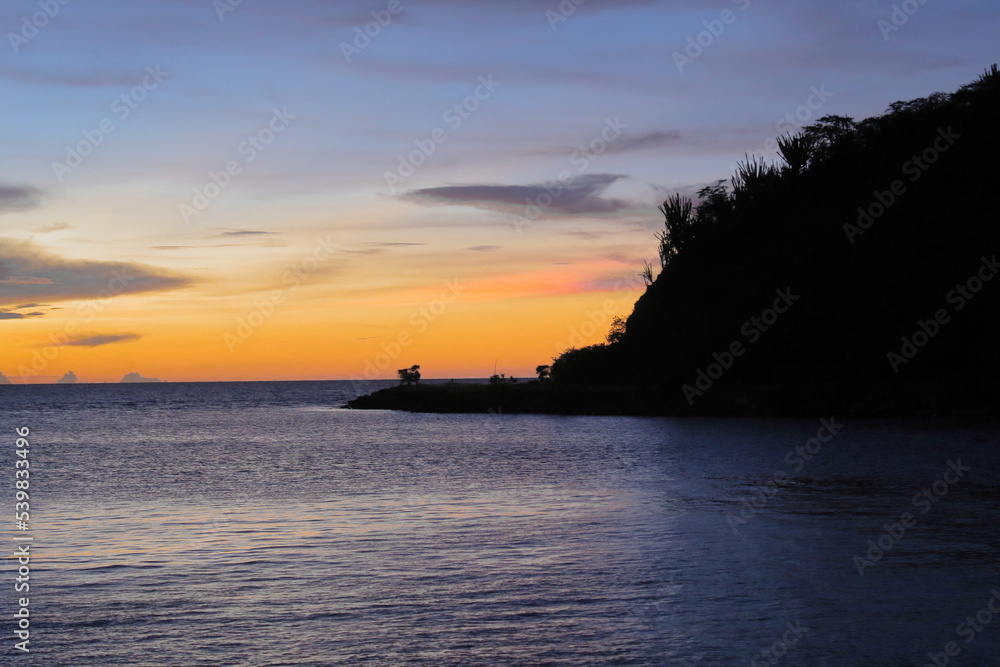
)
(262, 524)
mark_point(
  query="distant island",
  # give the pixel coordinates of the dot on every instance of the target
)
(856, 276)
(136, 377)
(69, 378)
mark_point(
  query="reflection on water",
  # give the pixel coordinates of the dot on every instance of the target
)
(256, 524)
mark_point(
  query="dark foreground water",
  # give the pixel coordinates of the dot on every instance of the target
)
(258, 524)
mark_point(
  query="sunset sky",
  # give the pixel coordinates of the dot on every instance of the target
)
(199, 190)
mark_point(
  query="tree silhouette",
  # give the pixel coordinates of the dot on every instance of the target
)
(678, 227)
(716, 205)
(831, 135)
(647, 272)
(617, 332)
(796, 150)
(753, 180)
(544, 373)
(409, 375)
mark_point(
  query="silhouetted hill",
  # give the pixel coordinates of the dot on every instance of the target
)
(868, 229)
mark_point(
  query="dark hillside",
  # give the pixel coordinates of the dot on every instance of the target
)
(926, 178)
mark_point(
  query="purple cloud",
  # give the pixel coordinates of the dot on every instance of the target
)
(30, 273)
(580, 196)
(103, 339)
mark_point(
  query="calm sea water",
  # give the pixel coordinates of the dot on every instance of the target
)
(259, 524)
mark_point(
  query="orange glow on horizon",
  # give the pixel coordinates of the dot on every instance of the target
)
(453, 329)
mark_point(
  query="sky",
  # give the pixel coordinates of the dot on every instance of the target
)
(200, 190)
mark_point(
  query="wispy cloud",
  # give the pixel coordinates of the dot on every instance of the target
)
(581, 196)
(97, 340)
(246, 232)
(63, 78)
(622, 258)
(54, 227)
(16, 197)
(484, 248)
(27, 272)
(624, 144)
(11, 314)
(587, 236)
(260, 244)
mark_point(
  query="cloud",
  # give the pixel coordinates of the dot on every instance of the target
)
(484, 248)
(54, 227)
(260, 244)
(28, 272)
(624, 144)
(61, 77)
(586, 236)
(245, 232)
(377, 248)
(643, 141)
(592, 7)
(580, 196)
(25, 280)
(453, 72)
(6, 314)
(621, 258)
(15, 197)
(102, 339)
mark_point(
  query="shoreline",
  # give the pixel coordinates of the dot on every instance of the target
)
(818, 400)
